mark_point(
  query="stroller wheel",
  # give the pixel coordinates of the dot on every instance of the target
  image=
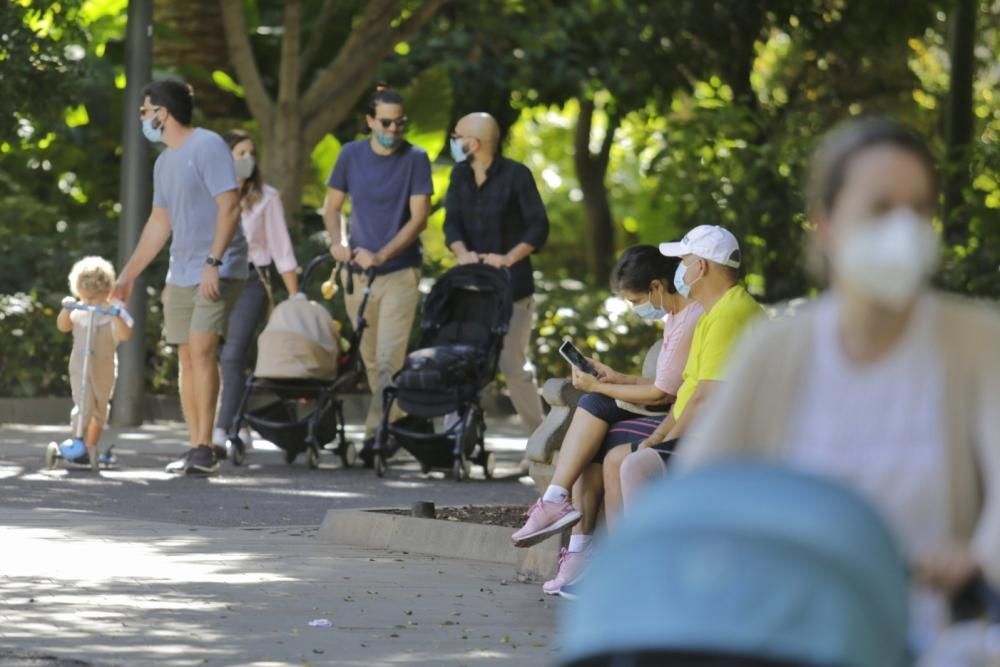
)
(237, 450)
(313, 459)
(290, 456)
(379, 464)
(92, 455)
(489, 464)
(424, 468)
(349, 454)
(51, 455)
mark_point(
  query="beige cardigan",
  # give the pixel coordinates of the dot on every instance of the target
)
(751, 411)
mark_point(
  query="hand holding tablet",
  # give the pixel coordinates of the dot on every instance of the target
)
(571, 354)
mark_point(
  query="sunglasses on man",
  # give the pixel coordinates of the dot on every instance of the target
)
(400, 122)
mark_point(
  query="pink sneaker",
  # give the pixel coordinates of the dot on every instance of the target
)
(544, 520)
(571, 566)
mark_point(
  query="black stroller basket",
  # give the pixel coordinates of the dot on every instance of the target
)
(465, 318)
(305, 414)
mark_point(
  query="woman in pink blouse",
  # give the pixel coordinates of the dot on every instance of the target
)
(269, 246)
(614, 411)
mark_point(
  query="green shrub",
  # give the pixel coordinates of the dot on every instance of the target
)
(35, 354)
(597, 322)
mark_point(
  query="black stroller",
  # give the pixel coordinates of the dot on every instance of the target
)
(465, 318)
(304, 412)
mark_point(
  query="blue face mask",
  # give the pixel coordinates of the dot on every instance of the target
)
(386, 141)
(458, 153)
(682, 287)
(648, 311)
(154, 134)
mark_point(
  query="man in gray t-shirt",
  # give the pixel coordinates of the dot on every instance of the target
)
(196, 206)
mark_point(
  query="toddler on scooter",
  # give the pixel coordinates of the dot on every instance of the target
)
(92, 379)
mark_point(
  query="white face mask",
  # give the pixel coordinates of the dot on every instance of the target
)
(244, 166)
(888, 260)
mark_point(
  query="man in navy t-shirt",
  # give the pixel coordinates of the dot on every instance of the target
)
(389, 184)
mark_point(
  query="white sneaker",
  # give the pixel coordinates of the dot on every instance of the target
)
(219, 436)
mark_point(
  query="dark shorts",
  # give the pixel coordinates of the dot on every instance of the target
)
(664, 449)
(625, 427)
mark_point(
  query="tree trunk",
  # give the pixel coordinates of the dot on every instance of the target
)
(297, 120)
(959, 123)
(289, 165)
(188, 38)
(283, 163)
(591, 171)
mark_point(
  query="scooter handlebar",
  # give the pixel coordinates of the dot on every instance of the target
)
(114, 311)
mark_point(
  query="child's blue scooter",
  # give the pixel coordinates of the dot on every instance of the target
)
(74, 450)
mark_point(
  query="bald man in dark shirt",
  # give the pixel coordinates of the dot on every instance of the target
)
(494, 214)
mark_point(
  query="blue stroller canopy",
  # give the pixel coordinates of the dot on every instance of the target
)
(749, 560)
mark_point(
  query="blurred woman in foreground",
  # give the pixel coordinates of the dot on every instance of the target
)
(882, 383)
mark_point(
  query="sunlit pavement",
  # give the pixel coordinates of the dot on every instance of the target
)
(135, 593)
(135, 567)
(264, 491)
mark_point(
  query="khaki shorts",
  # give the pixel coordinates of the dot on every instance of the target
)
(186, 310)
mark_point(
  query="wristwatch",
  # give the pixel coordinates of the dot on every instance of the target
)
(212, 261)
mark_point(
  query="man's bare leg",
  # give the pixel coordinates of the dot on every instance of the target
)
(638, 471)
(203, 349)
(612, 483)
(187, 381)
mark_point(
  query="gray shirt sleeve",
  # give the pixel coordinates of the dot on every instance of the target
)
(216, 166)
(159, 199)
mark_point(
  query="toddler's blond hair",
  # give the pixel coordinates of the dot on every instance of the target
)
(91, 274)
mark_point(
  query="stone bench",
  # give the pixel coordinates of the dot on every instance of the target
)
(543, 445)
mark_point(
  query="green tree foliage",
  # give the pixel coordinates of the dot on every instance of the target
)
(698, 112)
(41, 56)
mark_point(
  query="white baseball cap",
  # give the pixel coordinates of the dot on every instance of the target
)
(709, 242)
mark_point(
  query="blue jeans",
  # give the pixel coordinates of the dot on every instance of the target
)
(241, 331)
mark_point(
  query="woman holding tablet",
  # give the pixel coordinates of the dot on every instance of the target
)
(644, 278)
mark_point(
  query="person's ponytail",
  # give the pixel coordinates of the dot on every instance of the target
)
(640, 265)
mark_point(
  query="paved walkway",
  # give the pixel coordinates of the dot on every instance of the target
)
(135, 567)
(126, 592)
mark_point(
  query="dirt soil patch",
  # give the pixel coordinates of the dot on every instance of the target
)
(507, 516)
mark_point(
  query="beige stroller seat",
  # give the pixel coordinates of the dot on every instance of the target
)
(301, 341)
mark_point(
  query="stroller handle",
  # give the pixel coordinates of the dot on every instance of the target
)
(314, 264)
(325, 258)
(349, 282)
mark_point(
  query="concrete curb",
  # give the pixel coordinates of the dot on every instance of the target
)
(435, 537)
